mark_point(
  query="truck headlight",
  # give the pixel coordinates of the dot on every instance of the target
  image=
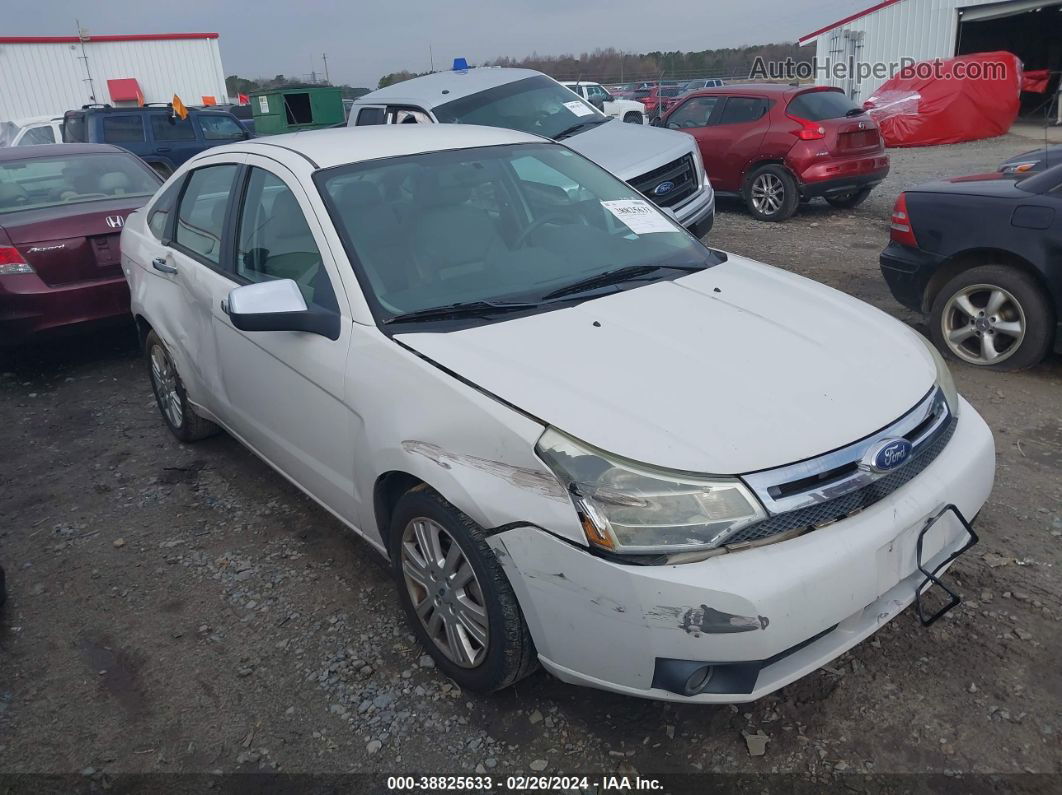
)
(698, 164)
(944, 379)
(632, 508)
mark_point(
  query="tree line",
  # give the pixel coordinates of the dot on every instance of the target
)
(615, 66)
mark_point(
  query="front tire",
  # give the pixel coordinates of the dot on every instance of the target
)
(456, 597)
(771, 193)
(848, 201)
(993, 316)
(171, 397)
(633, 117)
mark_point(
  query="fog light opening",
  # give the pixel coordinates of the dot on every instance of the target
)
(698, 680)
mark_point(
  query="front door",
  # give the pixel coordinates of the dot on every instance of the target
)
(731, 140)
(285, 390)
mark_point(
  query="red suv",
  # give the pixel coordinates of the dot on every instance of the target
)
(776, 145)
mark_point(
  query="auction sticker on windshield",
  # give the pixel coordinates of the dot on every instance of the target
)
(578, 108)
(639, 216)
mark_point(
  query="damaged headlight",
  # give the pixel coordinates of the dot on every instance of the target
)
(632, 508)
(944, 379)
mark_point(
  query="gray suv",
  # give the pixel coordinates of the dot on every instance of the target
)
(664, 165)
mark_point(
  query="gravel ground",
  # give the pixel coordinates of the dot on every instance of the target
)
(183, 608)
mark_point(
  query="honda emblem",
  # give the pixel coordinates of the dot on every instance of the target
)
(115, 221)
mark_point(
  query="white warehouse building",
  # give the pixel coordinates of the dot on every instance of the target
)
(922, 30)
(48, 75)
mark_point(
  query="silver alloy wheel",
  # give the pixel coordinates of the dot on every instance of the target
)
(164, 378)
(445, 592)
(768, 193)
(983, 324)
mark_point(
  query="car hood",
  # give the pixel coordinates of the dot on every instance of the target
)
(731, 370)
(630, 150)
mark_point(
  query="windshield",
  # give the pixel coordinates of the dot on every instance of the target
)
(500, 224)
(534, 105)
(49, 181)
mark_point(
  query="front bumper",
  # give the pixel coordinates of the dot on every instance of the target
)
(30, 308)
(697, 208)
(788, 607)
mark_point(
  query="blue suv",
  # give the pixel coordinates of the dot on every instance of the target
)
(153, 133)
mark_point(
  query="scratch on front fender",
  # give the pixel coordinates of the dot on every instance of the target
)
(537, 481)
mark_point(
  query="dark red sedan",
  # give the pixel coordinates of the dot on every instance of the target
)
(776, 145)
(62, 208)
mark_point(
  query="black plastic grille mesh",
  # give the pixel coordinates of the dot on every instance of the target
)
(679, 171)
(840, 507)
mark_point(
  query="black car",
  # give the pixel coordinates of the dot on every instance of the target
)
(982, 257)
(1032, 162)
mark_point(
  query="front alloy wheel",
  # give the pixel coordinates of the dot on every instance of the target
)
(445, 592)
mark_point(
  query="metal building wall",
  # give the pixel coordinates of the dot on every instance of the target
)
(44, 78)
(919, 29)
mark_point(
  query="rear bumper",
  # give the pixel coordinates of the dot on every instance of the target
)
(907, 271)
(30, 308)
(840, 175)
(784, 609)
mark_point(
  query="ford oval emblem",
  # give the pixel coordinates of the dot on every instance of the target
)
(663, 187)
(887, 455)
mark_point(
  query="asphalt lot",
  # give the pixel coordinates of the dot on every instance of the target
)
(184, 609)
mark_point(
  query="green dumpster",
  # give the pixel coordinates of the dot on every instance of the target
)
(295, 108)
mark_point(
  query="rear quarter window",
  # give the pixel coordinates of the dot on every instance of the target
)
(123, 129)
(820, 105)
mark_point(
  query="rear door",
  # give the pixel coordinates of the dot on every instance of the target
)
(174, 138)
(126, 130)
(733, 136)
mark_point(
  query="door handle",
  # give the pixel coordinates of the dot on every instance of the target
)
(160, 264)
(163, 149)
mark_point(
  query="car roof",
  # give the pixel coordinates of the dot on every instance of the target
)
(760, 89)
(35, 120)
(9, 153)
(341, 145)
(427, 91)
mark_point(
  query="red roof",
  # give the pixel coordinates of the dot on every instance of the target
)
(846, 20)
(125, 37)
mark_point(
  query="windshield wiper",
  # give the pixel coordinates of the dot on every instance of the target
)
(616, 276)
(576, 127)
(461, 309)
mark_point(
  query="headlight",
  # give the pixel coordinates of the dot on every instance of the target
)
(944, 379)
(1019, 168)
(698, 163)
(632, 508)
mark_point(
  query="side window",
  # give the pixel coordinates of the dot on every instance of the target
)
(201, 214)
(597, 92)
(124, 129)
(38, 135)
(159, 217)
(370, 116)
(275, 242)
(165, 127)
(693, 113)
(741, 110)
(220, 128)
(408, 116)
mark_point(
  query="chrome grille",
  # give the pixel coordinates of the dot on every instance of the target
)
(680, 173)
(838, 508)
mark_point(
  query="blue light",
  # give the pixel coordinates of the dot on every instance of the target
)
(460, 65)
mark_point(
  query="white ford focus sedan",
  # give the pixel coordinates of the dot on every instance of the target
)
(582, 438)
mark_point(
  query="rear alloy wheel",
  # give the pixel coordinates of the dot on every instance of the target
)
(993, 316)
(634, 117)
(846, 201)
(456, 597)
(771, 193)
(172, 400)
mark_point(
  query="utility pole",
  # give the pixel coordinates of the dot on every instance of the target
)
(431, 59)
(84, 58)
(324, 57)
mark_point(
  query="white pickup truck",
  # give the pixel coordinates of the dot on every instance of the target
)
(626, 109)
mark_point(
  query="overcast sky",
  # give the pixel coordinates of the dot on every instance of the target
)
(365, 40)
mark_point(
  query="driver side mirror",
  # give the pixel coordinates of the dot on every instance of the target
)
(277, 305)
(656, 121)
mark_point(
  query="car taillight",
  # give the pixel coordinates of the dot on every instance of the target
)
(11, 261)
(900, 228)
(809, 130)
